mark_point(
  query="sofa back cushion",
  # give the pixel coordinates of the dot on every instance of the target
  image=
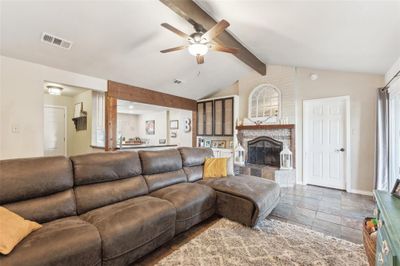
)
(106, 178)
(193, 161)
(162, 168)
(38, 189)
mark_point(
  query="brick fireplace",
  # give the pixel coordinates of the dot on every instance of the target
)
(263, 144)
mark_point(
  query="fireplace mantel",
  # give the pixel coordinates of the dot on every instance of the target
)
(272, 126)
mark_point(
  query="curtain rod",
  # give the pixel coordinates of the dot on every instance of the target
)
(395, 76)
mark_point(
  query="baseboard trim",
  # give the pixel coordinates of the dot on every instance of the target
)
(362, 192)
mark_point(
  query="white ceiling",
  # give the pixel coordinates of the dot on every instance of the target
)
(121, 40)
(359, 36)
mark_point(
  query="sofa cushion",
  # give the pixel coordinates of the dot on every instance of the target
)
(162, 180)
(38, 189)
(132, 228)
(155, 162)
(194, 156)
(193, 202)
(66, 241)
(105, 166)
(245, 199)
(193, 160)
(106, 178)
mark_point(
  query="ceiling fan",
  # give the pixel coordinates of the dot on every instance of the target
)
(201, 41)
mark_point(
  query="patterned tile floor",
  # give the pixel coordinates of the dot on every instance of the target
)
(330, 211)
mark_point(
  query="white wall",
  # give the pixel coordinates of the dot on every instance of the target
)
(160, 126)
(81, 140)
(362, 89)
(21, 103)
(183, 139)
(296, 86)
(128, 125)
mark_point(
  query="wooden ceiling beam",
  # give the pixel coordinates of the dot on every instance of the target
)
(190, 11)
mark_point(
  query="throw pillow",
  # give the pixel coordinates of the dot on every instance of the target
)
(215, 168)
(13, 228)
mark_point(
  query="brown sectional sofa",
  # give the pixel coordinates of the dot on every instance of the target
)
(113, 208)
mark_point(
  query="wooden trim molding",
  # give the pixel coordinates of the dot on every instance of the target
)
(136, 94)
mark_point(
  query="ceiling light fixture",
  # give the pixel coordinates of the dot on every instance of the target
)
(54, 90)
(198, 49)
(131, 106)
(313, 76)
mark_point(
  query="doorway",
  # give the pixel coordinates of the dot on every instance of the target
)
(55, 142)
(326, 142)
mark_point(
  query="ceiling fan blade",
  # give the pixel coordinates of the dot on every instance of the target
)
(173, 49)
(220, 48)
(200, 59)
(175, 30)
(215, 31)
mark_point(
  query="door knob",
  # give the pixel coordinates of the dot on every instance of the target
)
(341, 150)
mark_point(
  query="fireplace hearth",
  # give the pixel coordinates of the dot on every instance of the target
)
(264, 151)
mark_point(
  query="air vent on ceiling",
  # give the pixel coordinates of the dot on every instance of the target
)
(56, 41)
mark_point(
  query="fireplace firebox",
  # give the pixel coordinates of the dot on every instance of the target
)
(264, 151)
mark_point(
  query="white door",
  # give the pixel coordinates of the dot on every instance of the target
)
(54, 130)
(325, 141)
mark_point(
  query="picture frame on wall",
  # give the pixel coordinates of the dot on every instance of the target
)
(174, 124)
(222, 144)
(207, 143)
(150, 127)
(396, 189)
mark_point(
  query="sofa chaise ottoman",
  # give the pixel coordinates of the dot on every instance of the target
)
(243, 199)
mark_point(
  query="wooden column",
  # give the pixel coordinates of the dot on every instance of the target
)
(111, 123)
(194, 128)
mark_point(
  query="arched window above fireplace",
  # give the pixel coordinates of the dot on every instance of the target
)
(264, 103)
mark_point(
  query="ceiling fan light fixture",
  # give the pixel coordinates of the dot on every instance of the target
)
(54, 90)
(198, 49)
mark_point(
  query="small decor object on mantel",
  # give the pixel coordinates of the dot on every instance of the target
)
(286, 159)
(396, 189)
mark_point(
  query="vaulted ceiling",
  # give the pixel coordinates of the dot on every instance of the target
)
(121, 40)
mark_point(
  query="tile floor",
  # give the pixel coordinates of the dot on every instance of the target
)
(330, 211)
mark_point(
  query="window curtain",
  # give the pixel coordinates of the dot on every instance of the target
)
(382, 141)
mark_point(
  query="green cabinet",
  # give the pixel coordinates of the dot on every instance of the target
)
(388, 240)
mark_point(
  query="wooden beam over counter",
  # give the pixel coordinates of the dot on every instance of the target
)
(191, 12)
(141, 95)
(118, 91)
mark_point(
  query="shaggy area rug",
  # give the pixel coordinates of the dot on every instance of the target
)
(271, 242)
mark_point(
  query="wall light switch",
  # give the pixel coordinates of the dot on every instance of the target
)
(15, 129)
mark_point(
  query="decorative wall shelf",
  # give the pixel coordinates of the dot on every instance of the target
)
(80, 123)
